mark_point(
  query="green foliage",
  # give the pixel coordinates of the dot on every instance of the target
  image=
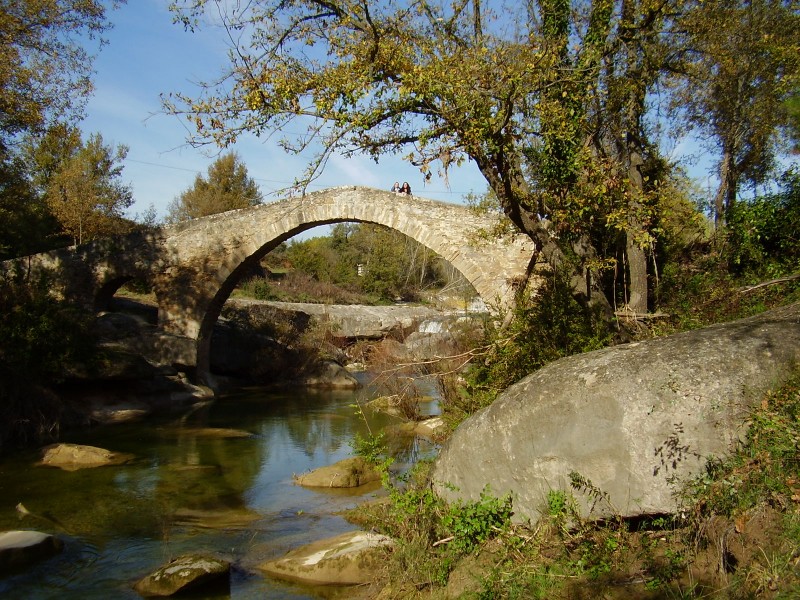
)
(513, 580)
(227, 187)
(259, 288)
(369, 260)
(701, 291)
(41, 338)
(556, 503)
(665, 569)
(765, 470)
(569, 556)
(707, 281)
(764, 233)
(26, 224)
(744, 66)
(86, 193)
(46, 60)
(457, 402)
(297, 286)
(581, 484)
(45, 70)
(544, 328)
(431, 534)
(761, 477)
(562, 510)
(79, 181)
(597, 555)
(371, 448)
(473, 523)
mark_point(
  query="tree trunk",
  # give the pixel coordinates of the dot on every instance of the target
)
(637, 259)
(585, 289)
(637, 276)
(722, 191)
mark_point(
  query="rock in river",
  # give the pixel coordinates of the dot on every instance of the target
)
(347, 559)
(18, 549)
(184, 574)
(72, 457)
(347, 473)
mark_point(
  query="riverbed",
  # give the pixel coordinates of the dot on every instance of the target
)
(189, 490)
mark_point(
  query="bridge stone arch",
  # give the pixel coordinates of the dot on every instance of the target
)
(194, 266)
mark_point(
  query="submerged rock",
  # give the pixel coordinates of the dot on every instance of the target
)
(229, 519)
(117, 412)
(184, 574)
(71, 457)
(347, 559)
(19, 549)
(389, 405)
(347, 473)
(211, 432)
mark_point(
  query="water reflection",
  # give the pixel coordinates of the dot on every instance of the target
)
(193, 487)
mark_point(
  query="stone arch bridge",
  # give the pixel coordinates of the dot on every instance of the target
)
(194, 266)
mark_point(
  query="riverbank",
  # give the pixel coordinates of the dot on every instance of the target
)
(736, 535)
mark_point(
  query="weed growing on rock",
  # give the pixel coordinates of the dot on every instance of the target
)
(371, 448)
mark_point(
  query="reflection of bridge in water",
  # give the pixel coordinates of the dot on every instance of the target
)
(194, 266)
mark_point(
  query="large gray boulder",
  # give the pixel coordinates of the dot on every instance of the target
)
(328, 374)
(635, 419)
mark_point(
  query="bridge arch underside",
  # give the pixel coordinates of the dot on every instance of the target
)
(225, 280)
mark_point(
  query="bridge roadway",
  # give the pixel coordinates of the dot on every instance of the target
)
(194, 266)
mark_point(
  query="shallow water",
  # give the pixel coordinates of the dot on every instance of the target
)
(187, 492)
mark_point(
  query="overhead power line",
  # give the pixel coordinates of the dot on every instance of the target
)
(272, 181)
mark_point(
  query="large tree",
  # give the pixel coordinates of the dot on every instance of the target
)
(227, 187)
(548, 98)
(741, 66)
(45, 68)
(80, 181)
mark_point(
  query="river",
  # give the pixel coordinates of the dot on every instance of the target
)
(188, 492)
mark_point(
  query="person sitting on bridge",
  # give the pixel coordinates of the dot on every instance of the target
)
(406, 189)
(396, 187)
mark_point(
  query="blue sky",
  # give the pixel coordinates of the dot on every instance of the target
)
(148, 55)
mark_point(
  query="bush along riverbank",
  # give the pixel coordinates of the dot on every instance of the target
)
(736, 534)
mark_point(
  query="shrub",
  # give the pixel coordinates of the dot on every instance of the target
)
(470, 524)
(764, 233)
(544, 328)
(41, 339)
